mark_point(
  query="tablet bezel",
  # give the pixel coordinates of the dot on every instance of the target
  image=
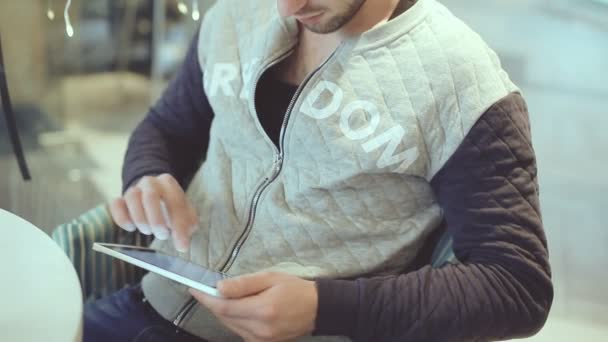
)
(106, 248)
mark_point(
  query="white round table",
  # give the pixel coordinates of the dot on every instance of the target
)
(40, 296)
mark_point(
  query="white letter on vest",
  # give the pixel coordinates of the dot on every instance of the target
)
(223, 74)
(248, 70)
(323, 113)
(362, 132)
(392, 137)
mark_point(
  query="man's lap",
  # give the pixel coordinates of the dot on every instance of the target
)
(126, 316)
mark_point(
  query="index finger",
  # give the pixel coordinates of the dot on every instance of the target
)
(182, 217)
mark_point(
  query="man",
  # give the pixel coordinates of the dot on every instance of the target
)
(321, 143)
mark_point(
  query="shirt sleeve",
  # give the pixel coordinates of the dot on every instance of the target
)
(174, 136)
(501, 288)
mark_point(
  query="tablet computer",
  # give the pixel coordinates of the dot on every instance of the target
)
(174, 268)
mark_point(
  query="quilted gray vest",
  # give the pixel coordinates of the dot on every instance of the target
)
(348, 193)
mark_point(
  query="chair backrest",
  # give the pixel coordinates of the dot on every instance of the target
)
(443, 253)
(99, 274)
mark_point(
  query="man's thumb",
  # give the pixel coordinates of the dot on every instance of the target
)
(247, 285)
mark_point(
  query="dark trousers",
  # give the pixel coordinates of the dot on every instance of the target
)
(126, 316)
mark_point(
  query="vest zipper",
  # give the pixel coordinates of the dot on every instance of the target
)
(278, 166)
(278, 162)
(185, 310)
(260, 189)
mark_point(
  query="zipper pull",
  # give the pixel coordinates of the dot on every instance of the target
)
(278, 162)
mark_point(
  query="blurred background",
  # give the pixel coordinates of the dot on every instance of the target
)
(77, 99)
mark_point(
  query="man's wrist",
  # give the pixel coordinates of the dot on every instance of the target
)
(312, 295)
(133, 180)
(337, 307)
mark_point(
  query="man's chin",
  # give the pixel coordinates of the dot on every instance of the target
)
(313, 28)
(320, 28)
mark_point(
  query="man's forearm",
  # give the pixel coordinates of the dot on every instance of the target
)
(174, 136)
(472, 302)
(151, 153)
(502, 287)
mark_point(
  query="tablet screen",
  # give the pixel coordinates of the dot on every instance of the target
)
(173, 264)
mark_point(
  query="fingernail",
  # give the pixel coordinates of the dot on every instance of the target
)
(160, 232)
(144, 229)
(129, 227)
(181, 246)
(196, 227)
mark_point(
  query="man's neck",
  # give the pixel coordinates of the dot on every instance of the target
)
(314, 48)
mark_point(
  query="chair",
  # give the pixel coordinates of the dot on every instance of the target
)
(99, 274)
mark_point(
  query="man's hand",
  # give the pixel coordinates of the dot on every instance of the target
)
(268, 307)
(157, 205)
